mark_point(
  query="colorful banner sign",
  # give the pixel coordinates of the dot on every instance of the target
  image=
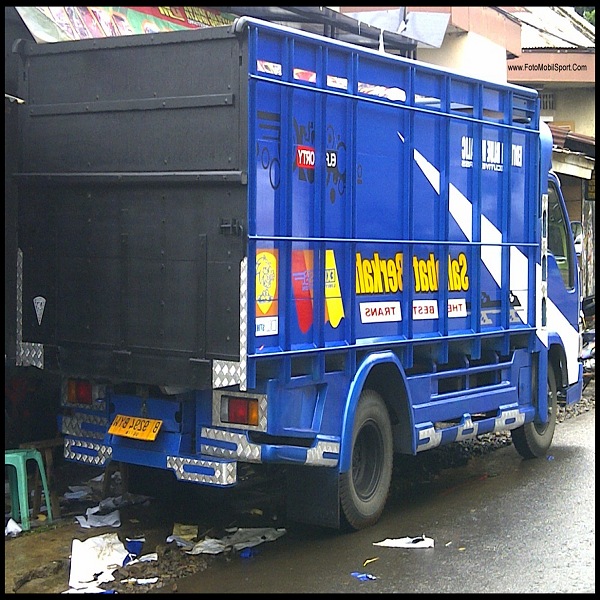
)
(61, 23)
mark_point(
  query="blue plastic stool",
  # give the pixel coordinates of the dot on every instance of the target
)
(19, 485)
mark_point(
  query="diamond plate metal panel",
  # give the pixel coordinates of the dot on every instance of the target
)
(102, 456)
(73, 426)
(225, 372)
(19, 297)
(432, 434)
(243, 322)
(27, 354)
(509, 419)
(244, 449)
(315, 458)
(31, 355)
(223, 473)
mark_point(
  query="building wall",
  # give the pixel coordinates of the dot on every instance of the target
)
(572, 188)
(553, 66)
(470, 54)
(485, 21)
(574, 108)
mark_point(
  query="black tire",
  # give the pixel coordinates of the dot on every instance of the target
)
(364, 488)
(533, 439)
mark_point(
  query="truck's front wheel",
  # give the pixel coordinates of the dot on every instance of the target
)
(364, 488)
(533, 439)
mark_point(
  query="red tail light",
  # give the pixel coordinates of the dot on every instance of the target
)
(79, 391)
(239, 410)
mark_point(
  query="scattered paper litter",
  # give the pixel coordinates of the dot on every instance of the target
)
(126, 499)
(145, 581)
(151, 556)
(206, 546)
(238, 539)
(94, 560)
(91, 519)
(12, 528)
(90, 589)
(183, 535)
(421, 541)
(78, 492)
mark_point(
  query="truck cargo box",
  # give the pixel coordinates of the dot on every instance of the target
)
(155, 164)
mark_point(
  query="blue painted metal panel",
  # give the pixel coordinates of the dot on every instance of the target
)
(380, 227)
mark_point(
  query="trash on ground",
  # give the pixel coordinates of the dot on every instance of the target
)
(249, 552)
(183, 535)
(421, 541)
(126, 499)
(363, 576)
(146, 581)
(78, 492)
(206, 546)
(12, 528)
(181, 543)
(150, 557)
(186, 532)
(133, 547)
(238, 539)
(94, 560)
(91, 589)
(92, 519)
(370, 560)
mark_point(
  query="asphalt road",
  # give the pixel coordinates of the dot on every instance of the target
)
(499, 525)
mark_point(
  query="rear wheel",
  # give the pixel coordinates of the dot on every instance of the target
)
(364, 488)
(533, 439)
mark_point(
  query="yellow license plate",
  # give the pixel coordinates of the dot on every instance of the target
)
(135, 427)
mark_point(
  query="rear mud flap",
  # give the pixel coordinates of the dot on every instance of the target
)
(312, 496)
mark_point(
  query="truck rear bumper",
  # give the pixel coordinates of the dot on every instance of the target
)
(236, 446)
(216, 465)
(87, 451)
(209, 470)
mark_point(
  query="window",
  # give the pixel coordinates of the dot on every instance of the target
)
(577, 230)
(547, 99)
(559, 237)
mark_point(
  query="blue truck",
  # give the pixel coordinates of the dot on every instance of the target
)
(250, 247)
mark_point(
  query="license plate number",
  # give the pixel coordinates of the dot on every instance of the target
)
(135, 427)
